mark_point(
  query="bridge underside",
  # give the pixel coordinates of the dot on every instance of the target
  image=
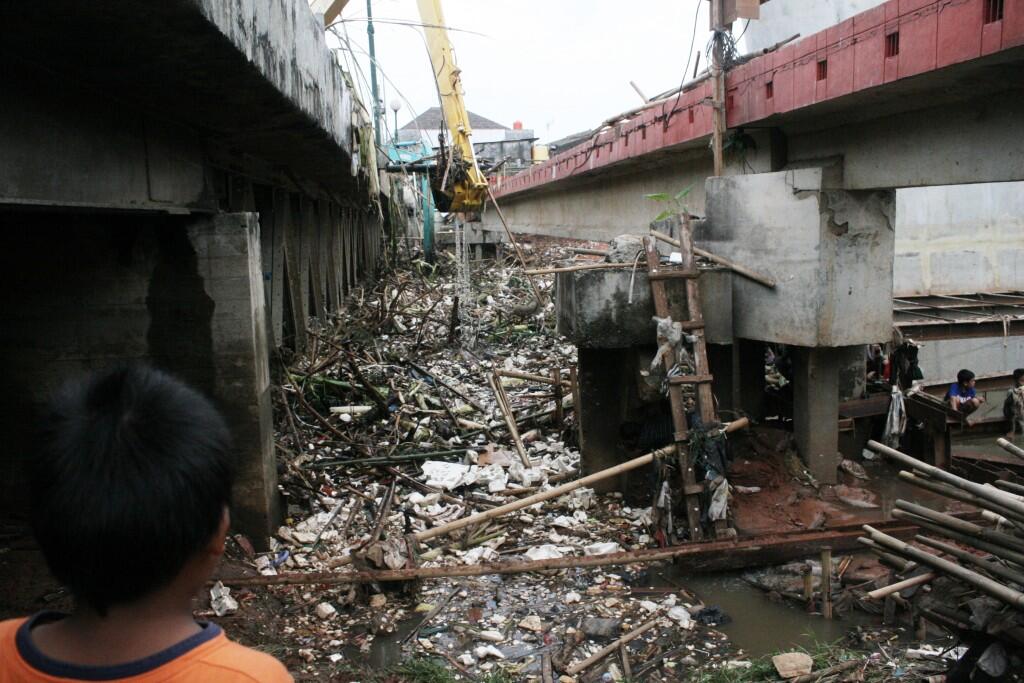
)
(181, 183)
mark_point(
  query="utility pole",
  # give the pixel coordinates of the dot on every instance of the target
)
(373, 73)
(718, 84)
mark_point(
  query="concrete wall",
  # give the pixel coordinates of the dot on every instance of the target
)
(991, 355)
(780, 19)
(830, 253)
(959, 239)
(86, 291)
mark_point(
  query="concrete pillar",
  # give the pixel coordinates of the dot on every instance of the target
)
(748, 377)
(227, 252)
(816, 409)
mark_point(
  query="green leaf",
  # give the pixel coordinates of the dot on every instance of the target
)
(683, 192)
(658, 196)
(663, 215)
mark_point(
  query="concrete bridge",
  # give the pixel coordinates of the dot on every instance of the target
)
(184, 182)
(822, 133)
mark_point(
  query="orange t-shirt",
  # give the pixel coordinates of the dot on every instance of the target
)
(207, 656)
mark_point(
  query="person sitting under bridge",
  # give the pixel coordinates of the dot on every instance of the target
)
(961, 395)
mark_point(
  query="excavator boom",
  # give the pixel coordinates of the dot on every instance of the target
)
(457, 182)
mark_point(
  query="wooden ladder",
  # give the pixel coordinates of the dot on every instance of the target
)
(657, 274)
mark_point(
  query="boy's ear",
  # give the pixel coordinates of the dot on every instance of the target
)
(216, 545)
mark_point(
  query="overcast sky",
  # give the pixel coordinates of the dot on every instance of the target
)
(559, 66)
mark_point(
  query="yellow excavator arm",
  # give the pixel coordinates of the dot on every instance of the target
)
(457, 180)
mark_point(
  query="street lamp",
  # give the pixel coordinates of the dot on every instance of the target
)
(395, 106)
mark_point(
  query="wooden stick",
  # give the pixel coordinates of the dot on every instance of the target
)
(997, 550)
(611, 647)
(556, 382)
(735, 267)
(591, 252)
(582, 266)
(957, 494)
(885, 591)
(510, 421)
(574, 381)
(1010, 448)
(993, 568)
(440, 380)
(986, 492)
(516, 374)
(986, 585)
(826, 583)
(962, 526)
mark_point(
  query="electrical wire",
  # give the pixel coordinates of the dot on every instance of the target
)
(686, 69)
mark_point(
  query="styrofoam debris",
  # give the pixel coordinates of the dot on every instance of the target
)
(221, 601)
(325, 610)
(602, 548)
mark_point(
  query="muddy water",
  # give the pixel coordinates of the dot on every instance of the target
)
(761, 626)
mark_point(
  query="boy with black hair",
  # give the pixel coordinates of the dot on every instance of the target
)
(961, 395)
(130, 491)
(1013, 406)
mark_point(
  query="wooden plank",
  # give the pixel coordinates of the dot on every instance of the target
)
(691, 379)
(674, 274)
(705, 396)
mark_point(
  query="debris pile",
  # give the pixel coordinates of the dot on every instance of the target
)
(975, 569)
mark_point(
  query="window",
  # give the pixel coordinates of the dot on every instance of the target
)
(728, 102)
(892, 44)
(690, 114)
(822, 69)
(993, 11)
(769, 90)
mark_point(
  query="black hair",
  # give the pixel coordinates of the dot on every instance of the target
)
(130, 481)
(1017, 374)
(963, 377)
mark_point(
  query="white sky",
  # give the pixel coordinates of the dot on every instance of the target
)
(559, 66)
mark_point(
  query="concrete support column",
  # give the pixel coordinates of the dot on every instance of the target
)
(748, 377)
(816, 409)
(227, 249)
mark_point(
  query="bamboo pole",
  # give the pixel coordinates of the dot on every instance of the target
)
(611, 647)
(826, 582)
(986, 585)
(885, 591)
(510, 421)
(957, 494)
(1010, 448)
(962, 526)
(582, 266)
(731, 265)
(589, 251)
(993, 568)
(997, 550)
(1009, 487)
(516, 374)
(986, 492)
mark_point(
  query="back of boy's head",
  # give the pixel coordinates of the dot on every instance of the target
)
(964, 376)
(130, 482)
(1018, 374)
